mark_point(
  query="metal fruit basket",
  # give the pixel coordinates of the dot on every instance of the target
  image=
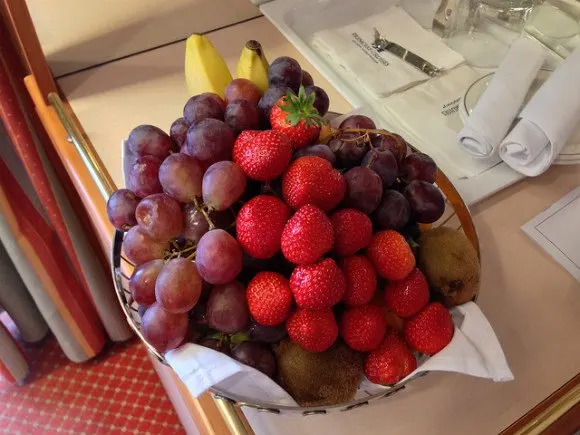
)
(456, 215)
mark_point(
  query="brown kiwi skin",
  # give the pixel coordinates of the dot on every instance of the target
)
(450, 264)
(324, 378)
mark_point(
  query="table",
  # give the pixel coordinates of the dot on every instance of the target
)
(532, 303)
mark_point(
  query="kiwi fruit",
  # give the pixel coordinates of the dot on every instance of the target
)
(319, 379)
(450, 264)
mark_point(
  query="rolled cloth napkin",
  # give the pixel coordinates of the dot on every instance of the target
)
(547, 121)
(499, 105)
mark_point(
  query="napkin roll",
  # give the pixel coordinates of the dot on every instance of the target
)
(547, 121)
(499, 105)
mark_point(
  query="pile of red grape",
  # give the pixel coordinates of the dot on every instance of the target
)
(240, 223)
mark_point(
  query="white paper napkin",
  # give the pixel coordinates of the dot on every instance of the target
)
(427, 116)
(380, 74)
(201, 368)
(474, 351)
(500, 103)
(547, 121)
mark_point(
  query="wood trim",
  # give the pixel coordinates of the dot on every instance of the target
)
(549, 412)
(21, 27)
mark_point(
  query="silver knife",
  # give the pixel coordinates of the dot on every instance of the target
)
(383, 44)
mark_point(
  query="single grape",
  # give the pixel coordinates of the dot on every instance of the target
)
(178, 131)
(393, 211)
(210, 141)
(144, 176)
(270, 97)
(148, 140)
(319, 150)
(223, 184)
(218, 257)
(180, 176)
(266, 334)
(357, 121)
(142, 282)
(203, 106)
(307, 79)
(364, 189)
(384, 163)
(121, 209)
(215, 344)
(418, 166)
(426, 201)
(242, 115)
(321, 102)
(227, 309)
(255, 355)
(394, 143)
(178, 286)
(140, 248)
(195, 224)
(349, 149)
(285, 71)
(162, 329)
(160, 216)
(242, 89)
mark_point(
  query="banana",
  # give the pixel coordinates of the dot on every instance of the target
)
(205, 70)
(253, 65)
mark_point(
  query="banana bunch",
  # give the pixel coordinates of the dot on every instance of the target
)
(206, 71)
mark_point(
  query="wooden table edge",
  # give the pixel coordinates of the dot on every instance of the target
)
(547, 412)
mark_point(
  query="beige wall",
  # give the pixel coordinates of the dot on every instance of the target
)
(76, 34)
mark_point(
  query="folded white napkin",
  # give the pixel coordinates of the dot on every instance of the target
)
(499, 105)
(474, 351)
(427, 116)
(380, 74)
(547, 121)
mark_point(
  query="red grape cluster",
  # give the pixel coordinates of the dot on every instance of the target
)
(208, 213)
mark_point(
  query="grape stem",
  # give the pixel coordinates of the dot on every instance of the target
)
(204, 213)
(364, 132)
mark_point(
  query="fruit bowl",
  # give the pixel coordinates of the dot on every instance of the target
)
(456, 216)
(286, 261)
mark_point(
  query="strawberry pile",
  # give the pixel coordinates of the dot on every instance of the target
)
(289, 230)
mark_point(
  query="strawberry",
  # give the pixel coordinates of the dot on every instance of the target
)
(361, 280)
(353, 231)
(313, 180)
(246, 136)
(407, 297)
(259, 225)
(363, 328)
(264, 155)
(317, 286)
(296, 117)
(314, 331)
(269, 298)
(430, 330)
(307, 236)
(390, 362)
(391, 255)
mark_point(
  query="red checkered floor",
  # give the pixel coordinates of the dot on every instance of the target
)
(116, 393)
